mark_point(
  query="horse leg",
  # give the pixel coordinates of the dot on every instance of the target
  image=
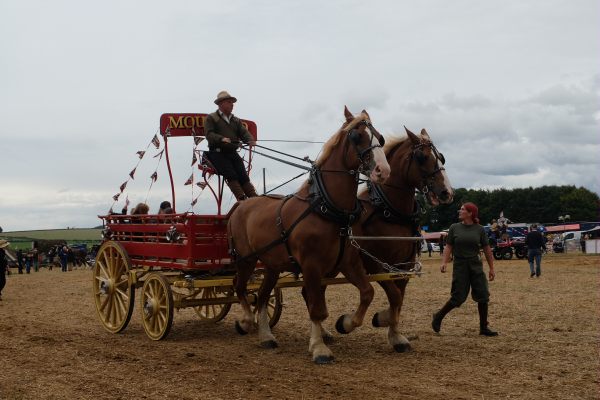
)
(391, 316)
(356, 275)
(244, 271)
(265, 336)
(317, 310)
(325, 334)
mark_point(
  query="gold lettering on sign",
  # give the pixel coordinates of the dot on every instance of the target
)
(188, 122)
(175, 124)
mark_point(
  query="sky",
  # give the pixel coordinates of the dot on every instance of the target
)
(509, 91)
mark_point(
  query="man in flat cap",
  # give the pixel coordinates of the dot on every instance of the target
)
(224, 132)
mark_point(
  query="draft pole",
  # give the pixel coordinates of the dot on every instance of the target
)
(264, 182)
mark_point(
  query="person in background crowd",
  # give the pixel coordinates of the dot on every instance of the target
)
(28, 261)
(165, 208)
(20, 261)
(36, 260)
(535, 243)
(584, 237)
(3, 265)
(63, 254)
(494, 229)
(464, 241)
(429, 248)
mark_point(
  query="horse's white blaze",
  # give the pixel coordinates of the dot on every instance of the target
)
(447, 184)
(382, 167)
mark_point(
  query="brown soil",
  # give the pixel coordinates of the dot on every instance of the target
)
(52, 345)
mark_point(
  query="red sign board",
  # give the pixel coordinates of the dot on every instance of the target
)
(189, 124)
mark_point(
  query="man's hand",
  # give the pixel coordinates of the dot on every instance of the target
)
(443, 268)
(252, 143)
(226, 140)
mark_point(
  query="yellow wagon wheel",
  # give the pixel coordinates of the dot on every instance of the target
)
(157, 306)
(274, 307)
(213, 312)
(114, 295)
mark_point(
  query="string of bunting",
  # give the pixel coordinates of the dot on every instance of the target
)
(196, 156)
(156, 143)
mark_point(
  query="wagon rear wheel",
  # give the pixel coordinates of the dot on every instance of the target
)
(213, 312)
(114, 295)
(157, 306)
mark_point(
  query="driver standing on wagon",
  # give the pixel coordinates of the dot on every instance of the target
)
(224, 132)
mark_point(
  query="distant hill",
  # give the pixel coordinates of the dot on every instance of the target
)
(70, 235)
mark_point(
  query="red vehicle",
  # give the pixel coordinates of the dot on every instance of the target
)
(505, 250)
(178, 260)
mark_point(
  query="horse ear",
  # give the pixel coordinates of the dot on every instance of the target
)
(412, 136)
(366, 113)
(425, 134)
(348, 114)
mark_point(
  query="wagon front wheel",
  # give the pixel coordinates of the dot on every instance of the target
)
(157, 307)
(114, 295)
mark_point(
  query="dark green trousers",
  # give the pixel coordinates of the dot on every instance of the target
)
(467, 274)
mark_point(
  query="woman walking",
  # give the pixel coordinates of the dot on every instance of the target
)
(464, 241)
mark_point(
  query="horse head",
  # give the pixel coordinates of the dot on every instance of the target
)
(426, 169)
(366, 143)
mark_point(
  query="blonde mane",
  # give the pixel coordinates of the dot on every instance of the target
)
(338, 136)
(391, 142)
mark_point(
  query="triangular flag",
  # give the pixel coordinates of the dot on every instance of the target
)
(126, 201)
(154, 176)
(190, 180)
(110, 212)
(132, 173)
(123, 186)
(159, 153)
(116, 196)
(140, 154)
(198, 140)
(156, 141)
(195, 201)
(194, 158)
(202, 185)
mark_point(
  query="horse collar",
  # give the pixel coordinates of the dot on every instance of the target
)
(322, 204)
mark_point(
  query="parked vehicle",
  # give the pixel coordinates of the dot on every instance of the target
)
(505, 250)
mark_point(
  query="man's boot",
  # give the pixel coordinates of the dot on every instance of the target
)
(483, 322)
(436, 322)
(249, 190)
(236, 189)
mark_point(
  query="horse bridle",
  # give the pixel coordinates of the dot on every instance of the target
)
(353, 136)
(426, 178)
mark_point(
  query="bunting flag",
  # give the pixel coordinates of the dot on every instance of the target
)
(159, 153)
(141, 154)
(190, 180)
(198, 140)
(194, 158)
(116, 197)
(127, 201)
(154, 176)
(132, 173)
(123, 186)
(194, 201)
(110, 212)
(156, 141)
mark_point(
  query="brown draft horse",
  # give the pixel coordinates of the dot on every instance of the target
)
(308, 232)
(391, 210)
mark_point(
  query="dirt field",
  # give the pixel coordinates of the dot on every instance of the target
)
(52, 346)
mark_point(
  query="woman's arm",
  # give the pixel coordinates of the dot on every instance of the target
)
(446, 257)
(490, 260)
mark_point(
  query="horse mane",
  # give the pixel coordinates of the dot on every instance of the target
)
(338, 136)
(392, 142)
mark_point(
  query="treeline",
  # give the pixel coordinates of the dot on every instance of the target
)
(542, 204)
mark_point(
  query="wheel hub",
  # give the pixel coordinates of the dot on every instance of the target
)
(150, 307)
(107, 286)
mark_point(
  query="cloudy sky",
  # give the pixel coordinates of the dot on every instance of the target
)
(508, 90)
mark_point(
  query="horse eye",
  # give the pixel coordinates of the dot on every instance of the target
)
(421, 157)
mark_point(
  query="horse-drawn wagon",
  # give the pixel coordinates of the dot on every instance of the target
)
(185, 259)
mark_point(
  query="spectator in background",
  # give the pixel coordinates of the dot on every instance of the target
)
(535, 243)
(28, 261)
(20, 261)
(429, 248)
(63, 254)
(36, 260)
(165, 208)
(3, 265)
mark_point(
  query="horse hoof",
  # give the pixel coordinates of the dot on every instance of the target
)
(375, 320)
(320, 360)
(328, 339)
(402, 347)
(339, 325)
(239, 329)
(269, 344)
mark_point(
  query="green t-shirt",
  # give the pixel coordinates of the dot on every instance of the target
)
(466, 240)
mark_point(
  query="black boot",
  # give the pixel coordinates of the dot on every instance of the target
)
(436, 322)
(483, 322)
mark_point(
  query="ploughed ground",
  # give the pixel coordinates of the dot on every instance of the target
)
(52, 345)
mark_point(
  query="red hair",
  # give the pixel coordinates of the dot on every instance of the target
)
(472, 208)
